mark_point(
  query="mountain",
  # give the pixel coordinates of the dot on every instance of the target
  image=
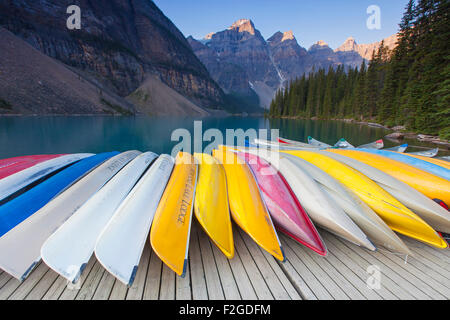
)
(243, 63)
(351, 53)
(239, 59)
(121, 44)
(33, 83)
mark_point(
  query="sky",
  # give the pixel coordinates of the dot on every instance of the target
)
(311, 20)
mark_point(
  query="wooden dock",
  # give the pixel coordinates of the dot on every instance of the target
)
(254, 274)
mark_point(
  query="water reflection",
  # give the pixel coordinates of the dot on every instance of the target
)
(40, 135)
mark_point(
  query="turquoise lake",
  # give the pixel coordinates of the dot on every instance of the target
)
(45, 135)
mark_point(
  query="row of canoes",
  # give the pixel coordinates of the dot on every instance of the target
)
(65, 208)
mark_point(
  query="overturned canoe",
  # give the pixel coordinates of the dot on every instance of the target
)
(22, 207)
(120, 245)
(68, 250)
(288, 215)
(211, 203)
(171, 227)
(395, 214)
(436, 216)
(20, 248)
(246, 204)
(14, 165)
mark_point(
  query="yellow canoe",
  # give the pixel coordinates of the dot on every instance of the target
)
(211, 203)
(171, 227)
(438, 162)
(432, 186)
(396, 215)
(247, 207)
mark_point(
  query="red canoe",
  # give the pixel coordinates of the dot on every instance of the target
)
(286, 211)
(14, 165)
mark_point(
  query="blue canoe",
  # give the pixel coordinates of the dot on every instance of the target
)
(17, 210)
(418, 163)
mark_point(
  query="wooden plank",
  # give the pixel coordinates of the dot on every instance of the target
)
(419, 247)
(388, 272)
(421, 280)
(439, 264)
(153, 280)
(354, 273)
(4, 278)
(297, 281)
(388, 290)
(320, 274)
(183, 286)
(275, 286)
(119, 291)
(213, 284)
(69, 293)
(199, 290)
(317, 289)
(257, 280)
(41, 288)
(330, 265)
(229, 286)
(104, 287)
(167, 289)
(431, 269)
(26, 286)
(56, 289)
(243, 281)
(136, 291)
(89, 286)
(282, 277)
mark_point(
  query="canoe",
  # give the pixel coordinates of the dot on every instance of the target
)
(364, 217)
(426, 153)
(286, 211)
(246, 204)
(402, 148)
(438, 162)
(321, 208)
(379, 144)
(293, 142)
(171, 227)
(20, 208)
(419, 163)
(432, 186)
(447, 158)
(20, 248)
(317, 143)
(69, 248)
(344, 144)
(20, 180)
(121, 243)
(395, 214)
(14, 165)
(211, 203)
(278, 145)
(427, 209)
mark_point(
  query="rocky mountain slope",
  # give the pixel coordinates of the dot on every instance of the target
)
(33, 83)
(120, 44)
(242, 62)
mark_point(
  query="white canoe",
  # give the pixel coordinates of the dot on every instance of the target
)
(21, 179)
(320, 207)
(436, 216)
(367, 219)
(280, 146)
(119, 247)
(318, 143)
(68, 250)
(20, 248)
(426, 153)
(344, 144)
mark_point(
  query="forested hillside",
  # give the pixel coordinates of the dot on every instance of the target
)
(407, 86)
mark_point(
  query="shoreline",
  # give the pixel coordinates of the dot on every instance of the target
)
(398, 134)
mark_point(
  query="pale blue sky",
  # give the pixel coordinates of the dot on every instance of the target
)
(330, 20)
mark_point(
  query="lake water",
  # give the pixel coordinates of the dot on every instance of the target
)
(46, 135)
